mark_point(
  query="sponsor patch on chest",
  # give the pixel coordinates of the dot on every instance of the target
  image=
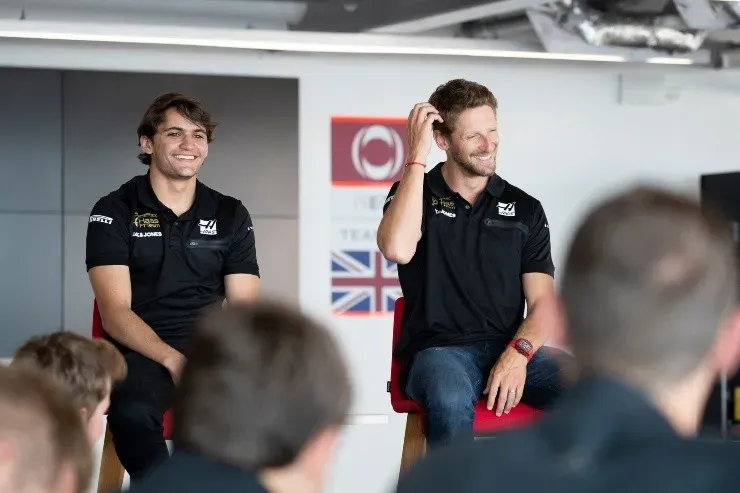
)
(207, 227)
(507, 209)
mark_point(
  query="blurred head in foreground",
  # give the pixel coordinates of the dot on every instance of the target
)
(265, 389)
(649, 296)
(86, 368)
(43, 445)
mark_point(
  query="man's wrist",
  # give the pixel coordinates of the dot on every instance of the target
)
(517, 355)
(523, 347)
(416, 158)
(169, 355)
(413, 168)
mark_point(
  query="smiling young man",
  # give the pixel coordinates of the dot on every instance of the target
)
(160, 250)
(472, 250)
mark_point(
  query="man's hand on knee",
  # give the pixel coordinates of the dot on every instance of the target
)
(506, 381)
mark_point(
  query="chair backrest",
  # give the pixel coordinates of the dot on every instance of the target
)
(97, 322)
(396, 367)
(397, 319)
(399, 401)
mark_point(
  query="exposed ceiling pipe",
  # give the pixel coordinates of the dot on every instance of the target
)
(600, 29)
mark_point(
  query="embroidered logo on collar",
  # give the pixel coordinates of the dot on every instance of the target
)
(505, 209)
(207, 226)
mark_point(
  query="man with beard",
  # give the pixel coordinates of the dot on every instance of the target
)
(472, 250)
(161, 249)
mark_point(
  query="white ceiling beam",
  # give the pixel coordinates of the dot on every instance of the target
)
(439, 20)
(206, 13)
(286, 41)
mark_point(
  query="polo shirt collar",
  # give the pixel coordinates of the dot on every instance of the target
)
(204, 205)
(440, 188)
(145, 193)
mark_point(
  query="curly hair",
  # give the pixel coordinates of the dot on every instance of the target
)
(456, 96)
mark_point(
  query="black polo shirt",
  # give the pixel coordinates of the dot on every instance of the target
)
(464, 283)
(177, 264)
(192, 472)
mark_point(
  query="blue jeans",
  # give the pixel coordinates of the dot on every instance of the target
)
(448, 381)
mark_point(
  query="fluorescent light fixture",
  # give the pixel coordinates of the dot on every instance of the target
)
(292, 41)
(670, 61)
(299, 45)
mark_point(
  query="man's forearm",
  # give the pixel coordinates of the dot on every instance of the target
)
(533, 329)
(400, 227)
(129, 329)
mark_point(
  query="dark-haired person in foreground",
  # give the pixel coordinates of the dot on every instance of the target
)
(473, 251)
(259, 407)
(160, 250)
(649, 309)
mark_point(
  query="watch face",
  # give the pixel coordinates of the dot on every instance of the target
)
(525, 345)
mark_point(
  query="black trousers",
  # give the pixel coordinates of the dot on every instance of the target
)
(136, 411)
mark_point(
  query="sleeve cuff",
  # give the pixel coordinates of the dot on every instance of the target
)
(245, 268)
(98, 261)
(541, 267)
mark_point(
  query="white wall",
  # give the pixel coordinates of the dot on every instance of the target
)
(565, 139)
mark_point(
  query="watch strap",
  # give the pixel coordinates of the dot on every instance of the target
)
(523, 346)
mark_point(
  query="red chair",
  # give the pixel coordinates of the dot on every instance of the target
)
(111, 469)
(485, 423)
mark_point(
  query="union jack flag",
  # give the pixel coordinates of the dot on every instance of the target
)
(363, 282)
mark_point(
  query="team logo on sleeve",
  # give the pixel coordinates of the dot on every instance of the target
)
(97, 218)
(207, 226)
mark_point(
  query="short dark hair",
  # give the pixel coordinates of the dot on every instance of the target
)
(650, 275)
(187, 106)
(87, 368)
(456, 96)
(45, 427)
(248, 365)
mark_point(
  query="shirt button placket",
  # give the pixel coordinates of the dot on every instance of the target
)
(175, 235)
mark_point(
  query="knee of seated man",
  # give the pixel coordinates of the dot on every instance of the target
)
(452, 399)
(130, 414)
